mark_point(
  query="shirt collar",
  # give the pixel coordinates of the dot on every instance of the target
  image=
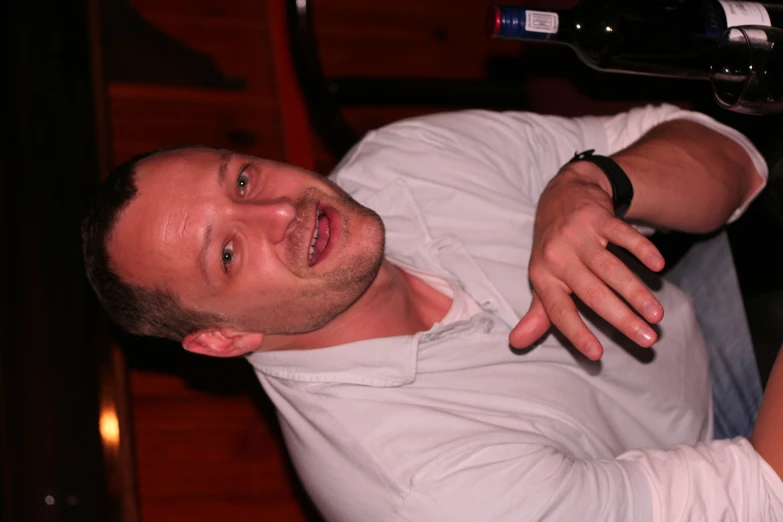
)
(384, 362)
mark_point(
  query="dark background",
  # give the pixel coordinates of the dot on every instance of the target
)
(98, 426)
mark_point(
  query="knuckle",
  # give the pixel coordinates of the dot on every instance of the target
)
(574, 226)
(629, 323)
(537, 275)
(604, 264)
(626, 284)
(624, 281)
(616, 226)
(551, 253)
(557, 313)
(641, 296)
(584, 212)
(594, 296)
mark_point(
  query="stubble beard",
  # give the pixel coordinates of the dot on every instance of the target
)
(324, 296)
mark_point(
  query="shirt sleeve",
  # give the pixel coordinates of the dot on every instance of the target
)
(509, 152)
(713, 481)
(716, 480)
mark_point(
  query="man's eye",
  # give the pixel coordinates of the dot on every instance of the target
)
(227, 255)
(243, 180)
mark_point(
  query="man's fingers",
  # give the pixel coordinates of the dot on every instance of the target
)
(596, 295)
(561, 310)
(533, 325)
(624, 235)
(620, 278)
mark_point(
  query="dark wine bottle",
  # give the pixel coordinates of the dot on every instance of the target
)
(671, 38)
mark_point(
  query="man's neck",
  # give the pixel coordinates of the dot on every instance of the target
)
(396, 303)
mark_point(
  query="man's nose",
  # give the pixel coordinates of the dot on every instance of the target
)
(272, 217)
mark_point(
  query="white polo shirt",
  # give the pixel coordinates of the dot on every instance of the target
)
(451, 424)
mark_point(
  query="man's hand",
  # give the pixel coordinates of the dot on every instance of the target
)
(574, 223)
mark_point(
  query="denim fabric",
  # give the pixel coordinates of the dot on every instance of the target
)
(708, 275)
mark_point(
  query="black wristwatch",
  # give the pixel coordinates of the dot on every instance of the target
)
(622, 189)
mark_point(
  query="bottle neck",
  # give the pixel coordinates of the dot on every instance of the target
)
(523, 23)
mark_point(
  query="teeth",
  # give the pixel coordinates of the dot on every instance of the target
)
(315, 235)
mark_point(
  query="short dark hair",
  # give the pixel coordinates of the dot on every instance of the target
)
(154, 312)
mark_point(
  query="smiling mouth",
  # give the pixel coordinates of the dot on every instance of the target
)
(320, 237)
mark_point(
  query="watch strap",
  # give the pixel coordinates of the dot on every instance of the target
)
(622, 189)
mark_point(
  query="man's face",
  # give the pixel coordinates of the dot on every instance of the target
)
(274, 248)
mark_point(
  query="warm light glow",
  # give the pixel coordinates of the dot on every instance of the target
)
(110, 428)
(608, 29)
(578, 26)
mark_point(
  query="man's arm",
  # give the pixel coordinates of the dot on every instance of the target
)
(768, 431)
(686, 177)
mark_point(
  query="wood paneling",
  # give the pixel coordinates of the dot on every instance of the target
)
(234, 509)
(208, 451)
(213, 9)
(238, 46)
(432, 39)
(148, 117)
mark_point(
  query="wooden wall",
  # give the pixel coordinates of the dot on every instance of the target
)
(213, 72)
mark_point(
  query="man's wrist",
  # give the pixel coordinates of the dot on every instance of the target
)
(621, 186)
(586, 172)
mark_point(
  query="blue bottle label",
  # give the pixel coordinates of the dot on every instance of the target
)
(528, 23)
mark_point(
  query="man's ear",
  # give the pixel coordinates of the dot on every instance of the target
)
(222, 342)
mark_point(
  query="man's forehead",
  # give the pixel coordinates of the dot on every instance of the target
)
(157, 226)
(189, 158)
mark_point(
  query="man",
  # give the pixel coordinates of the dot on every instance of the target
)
(386, 352)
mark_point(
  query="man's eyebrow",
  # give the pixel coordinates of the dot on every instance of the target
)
(202, 258)
(225, 158)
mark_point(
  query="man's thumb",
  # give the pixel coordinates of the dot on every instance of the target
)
(533, 325)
